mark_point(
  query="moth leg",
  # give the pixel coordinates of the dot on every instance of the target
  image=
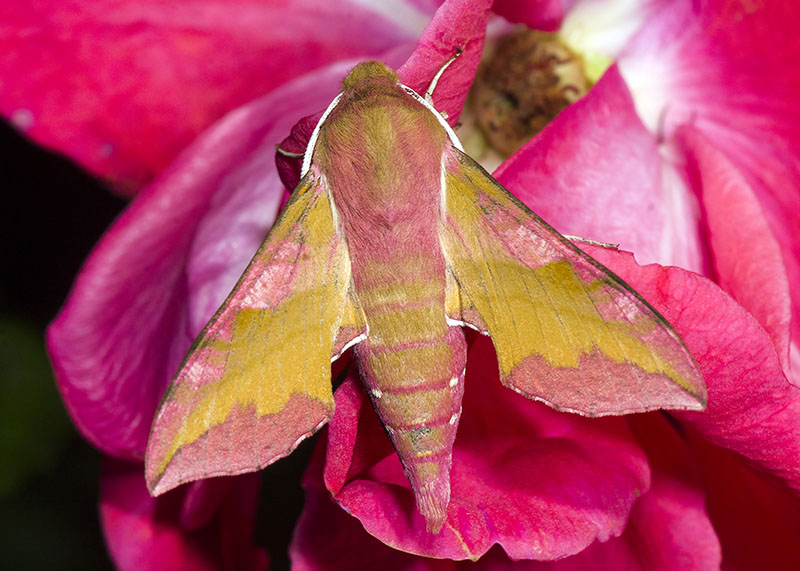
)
(608, 245)
(288, 153)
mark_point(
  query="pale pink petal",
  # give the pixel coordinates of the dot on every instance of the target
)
(599, 30)
(424, 6)
(597, 172)
(752, 408)
(167, 263)
(146, 533)
(540, 483)
(747, 259)
(728, 69)
(122, 87)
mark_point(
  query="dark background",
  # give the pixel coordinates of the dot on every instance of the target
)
(53, 214)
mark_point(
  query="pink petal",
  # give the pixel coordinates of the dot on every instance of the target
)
(536, 14)
(167, 263)
(457, 24)
(752, 408)
(597, 172)
(729, 70)
(326, 537)
(145, 533)
(123, 87)
(755, 515)
(540, 483)
(747, 258)
(668, 527)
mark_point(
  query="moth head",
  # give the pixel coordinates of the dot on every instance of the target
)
(367, 75)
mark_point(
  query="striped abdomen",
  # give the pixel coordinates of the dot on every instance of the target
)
(381, 153)
(412, 365)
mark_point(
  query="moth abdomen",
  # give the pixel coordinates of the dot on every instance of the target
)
(416, 388)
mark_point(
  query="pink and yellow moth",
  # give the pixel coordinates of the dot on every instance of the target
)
(392, 241)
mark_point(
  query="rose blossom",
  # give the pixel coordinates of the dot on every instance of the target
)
(541, 484)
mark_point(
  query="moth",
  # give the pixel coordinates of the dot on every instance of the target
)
(392, 242)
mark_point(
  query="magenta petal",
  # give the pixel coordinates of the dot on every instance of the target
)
(540, 483)
(596, 172)
(343, 435)
(747, 257)
(327, 538)
(755, 515)
(536, 14)
(457, 24)
(145, 533)
(122, 87)
(202, 500)
(668, 528)
(752, 408)
(167, 263)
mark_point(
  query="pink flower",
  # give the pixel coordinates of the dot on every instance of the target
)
(650, 491)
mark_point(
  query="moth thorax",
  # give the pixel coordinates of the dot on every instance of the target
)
(528, 80)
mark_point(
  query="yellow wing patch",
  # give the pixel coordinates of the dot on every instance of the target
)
(257, 380)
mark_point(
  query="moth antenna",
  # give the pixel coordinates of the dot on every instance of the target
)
(435, 80)
(288, 153)
(590, 241)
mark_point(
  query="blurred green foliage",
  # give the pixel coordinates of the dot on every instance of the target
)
(48, 504)
(33, 423)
